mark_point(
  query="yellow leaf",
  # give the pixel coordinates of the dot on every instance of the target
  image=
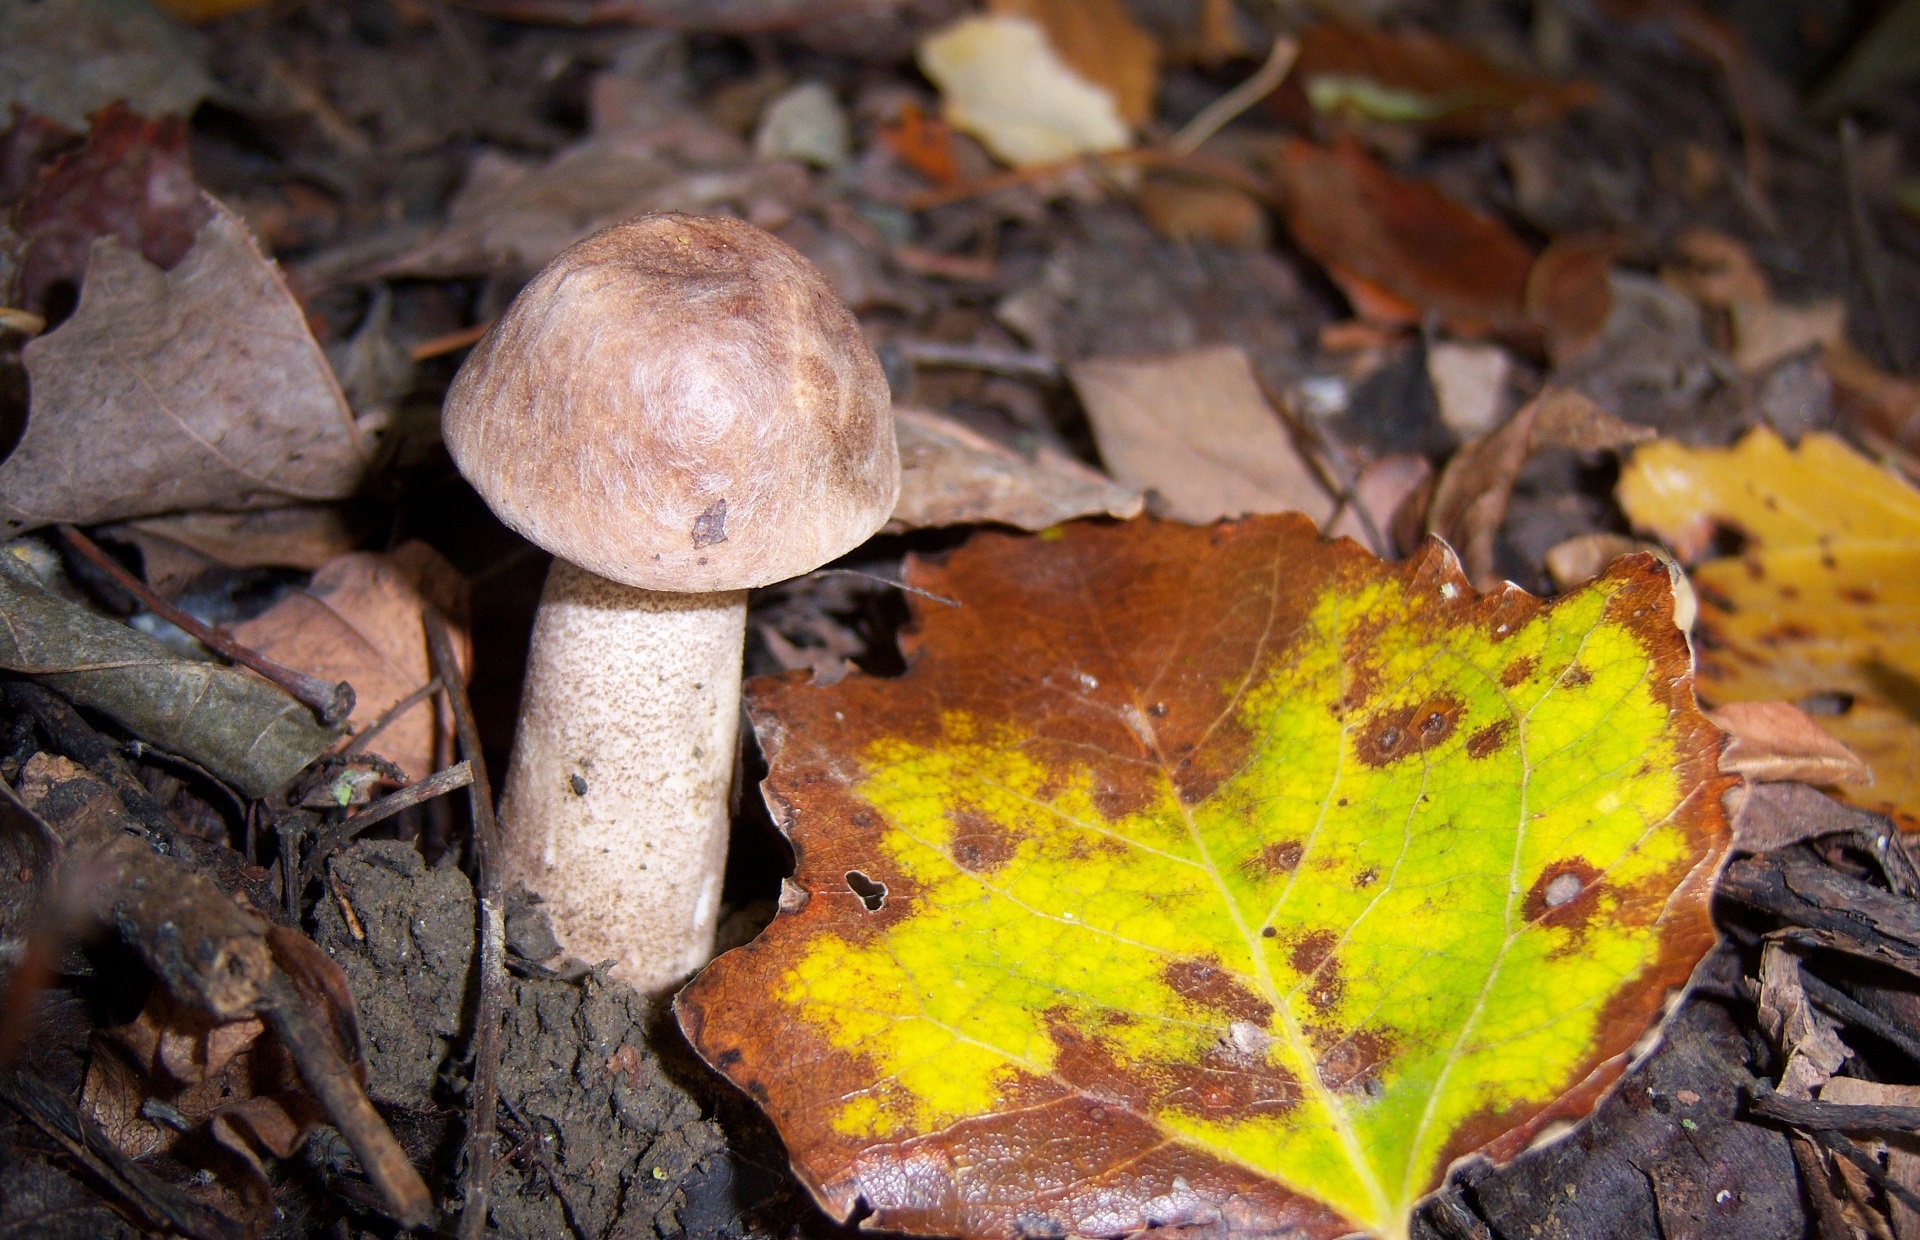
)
(1822, 604)
(1002, 81)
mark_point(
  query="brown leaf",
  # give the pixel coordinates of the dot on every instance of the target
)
(1441, 86)
(1101, 42)
(175, 549)
(1765, 332)
(950, 475)
(1715, 270)
(1772, 816)
(1373, 230)
(1777, 742)
(1197, 428)
(1394, 490)
(67, 59)
(1189, 211)
(1902, 1152)
(1568, 293)
(1887, 404)
(199, 387)
(1471, 499)
(359, 621)
(1806, 1038)
(132, 180)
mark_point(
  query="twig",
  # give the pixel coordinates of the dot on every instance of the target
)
(1329, 461)
(1215, 116)
(1866, 249)
(457, 776)
(392, 713)
(452, 342)
(1835, 1116)
(329, 702)
(162, 1206)
(485, 1099)
(1834, 1143)
(211, 954)
(1146, 157)
(979, 357)
(1847, 1008)
(67, 733)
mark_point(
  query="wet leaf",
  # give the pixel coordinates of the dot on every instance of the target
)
(1818, 607)
(1217, 876)
(1003, 82)
(238, 726)
(199, 387)
(67, 59)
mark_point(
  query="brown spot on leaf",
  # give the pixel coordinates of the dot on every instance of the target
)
(1204, 982)
(1352, 1064)
(1565, 894)
(1311, 950)
(1576, 676)
(1227, 1083)
(1366, 878)
(1518, 670)
(1490, 739)
(1279, 857)
(980, 845)
(1407, 730)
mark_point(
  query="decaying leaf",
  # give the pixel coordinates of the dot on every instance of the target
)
(1401, 248)
(132, 180)
(1819, 606)
(238, 726)
(1414, 77)
(359, 620)
(1221, 877)
(1197, 428)
(1002, 81)
(198, 387)
(1099, 40)
(1776, 742)
(1471, 498)
(950, 475)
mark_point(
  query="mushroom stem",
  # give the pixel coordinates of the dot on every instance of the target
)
(615, 805)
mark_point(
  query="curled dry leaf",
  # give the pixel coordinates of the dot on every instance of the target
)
(1401, 249)
(1471, 498)
(238, 726)
(359, 620)
(1777, 742)
(1002, 81)
(950, 475)
(1818, 608)
(1225, 877)
(1197, 428)
(198, 387)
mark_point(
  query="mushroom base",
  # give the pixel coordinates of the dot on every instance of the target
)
(615, 804)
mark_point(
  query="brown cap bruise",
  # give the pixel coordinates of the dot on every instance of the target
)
(679, 403)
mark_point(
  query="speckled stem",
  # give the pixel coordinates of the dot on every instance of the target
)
(615, 806)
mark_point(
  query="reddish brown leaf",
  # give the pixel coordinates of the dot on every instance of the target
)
(131, 180)
(1403, 237)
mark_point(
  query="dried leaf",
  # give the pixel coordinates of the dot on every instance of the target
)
(359, 620)
(1101, 42)
(1807, 1038)
(1771, 816)
(1470, 381)
(950, 475)
(1226, 877)
(199, 387)
(1766, 332)
(1001, 81)
(1569, 293)
(1883, 403)
(67, 59)
(1373, 230)
(238, 726)
(132, 180)
(1189, 211)
(1716, 270)
(1471, 499)
(1413, 77)
(1902, 1153)
(1197, 428)
(1777, 742)
(301, 537)
(1819, 606)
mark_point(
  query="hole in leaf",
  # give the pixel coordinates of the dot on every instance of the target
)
(871, 894)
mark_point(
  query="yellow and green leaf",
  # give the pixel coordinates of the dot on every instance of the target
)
(1217, 875)
(1821, 604)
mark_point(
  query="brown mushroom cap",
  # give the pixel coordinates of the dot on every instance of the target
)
(679, 403)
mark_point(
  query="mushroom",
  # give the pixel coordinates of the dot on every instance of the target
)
(679, 409)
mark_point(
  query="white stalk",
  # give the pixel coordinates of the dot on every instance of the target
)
(615, 804)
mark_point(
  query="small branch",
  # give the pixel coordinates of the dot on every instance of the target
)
(1015, 362)
(1834, 1116)
(329, 702)
(457, 776)
(393, 712)
(1870, 1166)
(161, 1205)
(1216, 115)
(485, 1099)
(67, 733)
(1840, 1004)
(452, 342)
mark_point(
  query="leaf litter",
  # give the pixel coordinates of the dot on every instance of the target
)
(1407, 229)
